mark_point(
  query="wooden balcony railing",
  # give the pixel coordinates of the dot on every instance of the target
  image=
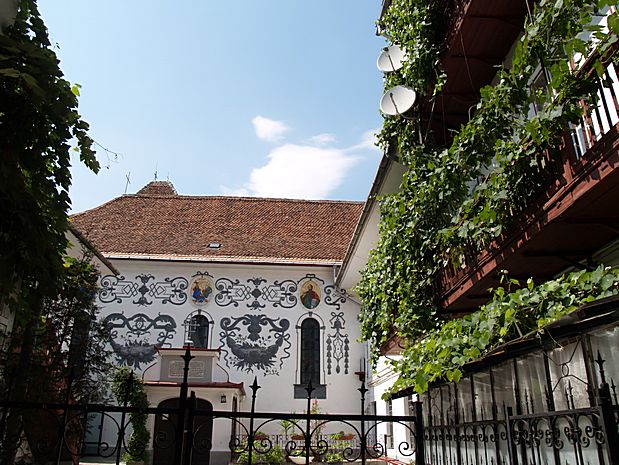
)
(585, 143)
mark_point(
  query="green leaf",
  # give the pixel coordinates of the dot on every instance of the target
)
(613, 23)
(75, 89)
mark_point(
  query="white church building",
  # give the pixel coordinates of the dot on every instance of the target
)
(249, 281)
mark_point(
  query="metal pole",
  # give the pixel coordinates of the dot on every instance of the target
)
(363, 390)
(121, 430)
(182, 405)
(250, 446)
(308, 426)
(188, 445)
(420, 453)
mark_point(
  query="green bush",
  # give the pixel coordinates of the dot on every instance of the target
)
(333, 457)
(127, 386)
(275, 456)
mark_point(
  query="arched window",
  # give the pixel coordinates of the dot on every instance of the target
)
(197, 331)
(310, 352)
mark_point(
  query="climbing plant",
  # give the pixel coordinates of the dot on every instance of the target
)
(129, 389)
(460, 197)
(441, 353)
(38, 123)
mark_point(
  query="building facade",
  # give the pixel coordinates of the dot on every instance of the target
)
(546, 397)
(248, 282)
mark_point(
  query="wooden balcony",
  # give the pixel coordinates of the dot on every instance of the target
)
(576, 216)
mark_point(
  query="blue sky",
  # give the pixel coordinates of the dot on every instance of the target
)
(271, 98)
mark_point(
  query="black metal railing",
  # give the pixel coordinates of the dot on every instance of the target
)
(525, 430)
(188, 435)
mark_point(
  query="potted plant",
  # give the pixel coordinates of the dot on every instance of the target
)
(342, 436)
(333, 457)
(298, 457)
(286, 425)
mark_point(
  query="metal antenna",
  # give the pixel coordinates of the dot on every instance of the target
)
(128, 181)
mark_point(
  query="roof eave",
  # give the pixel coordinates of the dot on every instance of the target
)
(222, 259)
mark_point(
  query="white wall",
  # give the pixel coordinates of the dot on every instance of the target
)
(123, 297)
(381, 382)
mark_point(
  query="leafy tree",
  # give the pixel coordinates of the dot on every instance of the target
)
(38, 123)
(69, 362)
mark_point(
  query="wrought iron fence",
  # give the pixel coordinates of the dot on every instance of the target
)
(474, 428)
(461, 424)
(188, 437)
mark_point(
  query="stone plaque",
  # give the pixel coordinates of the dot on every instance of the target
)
(197, 369)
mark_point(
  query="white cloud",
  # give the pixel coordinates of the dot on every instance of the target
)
(368, 141)
(268, 129)
(301, 171)
(235, 192)
(322, 139)
(304, 171)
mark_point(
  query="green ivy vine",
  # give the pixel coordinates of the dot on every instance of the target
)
(442, 353)
(39, 122)
(129, 389)
(436, 217)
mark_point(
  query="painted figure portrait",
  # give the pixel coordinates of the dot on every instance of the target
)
(201, 290)
(310, 294)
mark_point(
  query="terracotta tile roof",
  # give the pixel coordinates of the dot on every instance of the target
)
(158, 223)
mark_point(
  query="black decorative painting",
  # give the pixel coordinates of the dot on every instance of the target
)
(337, 344)
(335, 296)
(255, 342)
(257, 292)
(117, 288)
(133, 347)
(231, 292)
(170, 290)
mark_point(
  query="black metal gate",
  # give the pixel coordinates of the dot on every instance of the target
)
(184, 435)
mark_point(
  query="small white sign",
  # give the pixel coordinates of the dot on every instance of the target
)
(197, 369)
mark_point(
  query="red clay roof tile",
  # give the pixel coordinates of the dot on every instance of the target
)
(158, 223)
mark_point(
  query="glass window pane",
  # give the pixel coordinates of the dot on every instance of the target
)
(532, 383)
(310, 352)
(568, 377)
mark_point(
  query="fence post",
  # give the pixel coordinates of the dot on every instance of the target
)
(121, 429)
(188, 443)
(308, 437)
(608, 415)
(250, 446)
(363, 438)
(182, 405)
(65, 413)
(512, 450)
(420, 453)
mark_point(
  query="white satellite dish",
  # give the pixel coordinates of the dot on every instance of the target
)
(398, 100)
(391, 59)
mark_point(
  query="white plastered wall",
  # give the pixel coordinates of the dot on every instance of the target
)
(277, 381)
